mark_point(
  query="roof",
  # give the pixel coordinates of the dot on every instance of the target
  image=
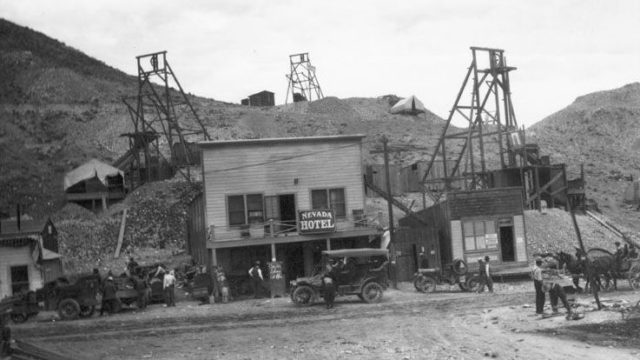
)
(49, 255)
(90, 169)
(262, 92)
(356, 252)
(268, 141)
(10, 227)
(408, 105)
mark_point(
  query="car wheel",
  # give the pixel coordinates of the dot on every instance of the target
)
(69, 309)
(459, 267)
(303, 295)
(87, 311)
(19, 318)
(473, 283)
(425, 284)
(372, 292)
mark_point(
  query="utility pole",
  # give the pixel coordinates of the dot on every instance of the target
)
(394, 274)
(588, 266)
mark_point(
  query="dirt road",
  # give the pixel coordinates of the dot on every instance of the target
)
(406, 325)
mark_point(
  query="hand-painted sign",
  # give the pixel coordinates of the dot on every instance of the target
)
(316, 221)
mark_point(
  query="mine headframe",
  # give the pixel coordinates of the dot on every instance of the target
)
(491, 127)
(303, 83)
(161, 110)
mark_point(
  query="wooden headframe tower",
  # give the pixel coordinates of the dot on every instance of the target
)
(161, 109)
(303, 83)
(489, 116)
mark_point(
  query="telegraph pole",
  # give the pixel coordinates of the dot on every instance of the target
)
(394, 275)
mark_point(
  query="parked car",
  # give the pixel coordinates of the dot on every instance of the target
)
(363, 273)
(72, 300)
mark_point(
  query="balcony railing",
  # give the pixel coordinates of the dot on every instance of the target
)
(278, 228)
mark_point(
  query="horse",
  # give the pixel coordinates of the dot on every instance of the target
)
(602, 263)
(575, 266)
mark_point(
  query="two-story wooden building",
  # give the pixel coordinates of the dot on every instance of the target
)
(282, 199)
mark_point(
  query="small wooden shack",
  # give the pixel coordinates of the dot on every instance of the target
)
(94, 183)
(470, 225)
(263, 98)
(28, 255)
(376, 175)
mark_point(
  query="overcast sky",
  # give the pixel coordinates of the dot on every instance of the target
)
(227, 50)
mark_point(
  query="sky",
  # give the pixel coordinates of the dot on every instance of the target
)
(227, 50)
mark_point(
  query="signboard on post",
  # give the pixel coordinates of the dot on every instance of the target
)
(316, 221)
(276, 279)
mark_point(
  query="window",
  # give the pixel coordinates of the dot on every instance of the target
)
(19, 279)
(245, 209)
(479, 235)
(329, 199)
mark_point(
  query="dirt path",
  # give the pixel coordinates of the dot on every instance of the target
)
(406, 325)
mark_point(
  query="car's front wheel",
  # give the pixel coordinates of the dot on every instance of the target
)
(69, 309)
(425, 284)
(303, 295)
(372, 292)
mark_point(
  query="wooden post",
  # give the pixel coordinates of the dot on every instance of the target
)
(390, 209)
(588, 266)
(121, 234)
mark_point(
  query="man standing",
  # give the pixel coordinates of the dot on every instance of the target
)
(256, 278)
(536, 274)
(555, 292)
(140, 285)
(329, 282)
(486, 274)
(168, 285)
(109, 297)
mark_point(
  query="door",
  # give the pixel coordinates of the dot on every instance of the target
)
(506, 244)
(282, 210)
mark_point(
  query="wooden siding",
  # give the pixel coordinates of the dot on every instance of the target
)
(377, 176)
(456, 239)
(196, 231)
(279, 167)
(520, 238)
(17, 256)
(469, 204)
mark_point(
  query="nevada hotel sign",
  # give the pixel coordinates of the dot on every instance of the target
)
(316, 221)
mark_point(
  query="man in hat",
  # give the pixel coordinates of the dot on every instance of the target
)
(256, 278)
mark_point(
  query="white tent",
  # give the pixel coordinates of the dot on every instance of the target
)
(410, 105)
(89, 170)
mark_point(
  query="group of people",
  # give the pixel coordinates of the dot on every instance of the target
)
(549, 281)
(142, 282)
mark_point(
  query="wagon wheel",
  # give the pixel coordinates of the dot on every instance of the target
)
(87, 311)
(425, 284)
(19, 318)
(68, 309)
(303, 295)
(372, 292)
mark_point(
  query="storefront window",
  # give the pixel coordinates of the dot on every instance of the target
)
(480, 235)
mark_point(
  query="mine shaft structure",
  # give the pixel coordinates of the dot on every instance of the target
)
(303, 83)
(162, 114)
(492, 151)
(489, 116)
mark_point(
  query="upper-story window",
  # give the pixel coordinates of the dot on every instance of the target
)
(245, 209)
(329, 199)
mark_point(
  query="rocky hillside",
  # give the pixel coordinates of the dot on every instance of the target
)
(602, 131)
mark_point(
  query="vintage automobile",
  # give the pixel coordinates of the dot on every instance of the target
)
(425, 280)
(363, 273)
(72, 300)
